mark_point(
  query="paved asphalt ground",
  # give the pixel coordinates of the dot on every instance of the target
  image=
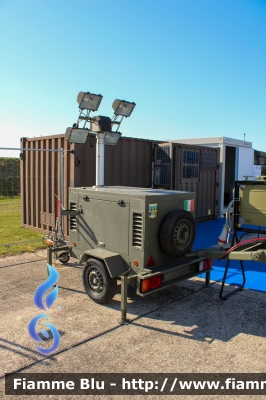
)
(183, 329)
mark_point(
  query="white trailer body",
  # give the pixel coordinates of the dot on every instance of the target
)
(236, 162)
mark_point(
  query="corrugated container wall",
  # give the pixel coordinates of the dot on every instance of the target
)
(127, 164)
(260, 159)
(207, 186)
(189, 168)
(40, 180)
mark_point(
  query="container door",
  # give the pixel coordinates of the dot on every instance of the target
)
(163, 166)
(245, 162)
(230, 174)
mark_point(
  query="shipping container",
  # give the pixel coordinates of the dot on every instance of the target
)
(260, 160)
(40, 179)
(127, 164)
(130, 163)
(192, 168)
(236, 162)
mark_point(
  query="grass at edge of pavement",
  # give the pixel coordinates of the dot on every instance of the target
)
(11, 230)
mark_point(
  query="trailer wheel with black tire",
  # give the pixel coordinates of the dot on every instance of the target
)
(177, 232)
(64, 257)
(97, 282)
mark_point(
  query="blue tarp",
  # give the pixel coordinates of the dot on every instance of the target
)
(206, 236)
